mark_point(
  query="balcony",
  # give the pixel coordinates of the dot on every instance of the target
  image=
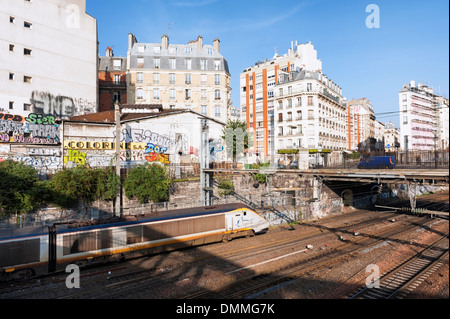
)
(112, 84)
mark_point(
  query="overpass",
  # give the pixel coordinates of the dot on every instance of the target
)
(387, 176)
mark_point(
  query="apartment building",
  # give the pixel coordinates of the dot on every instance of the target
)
(283, 101)
(192, 76)
(391, 137)
(419, 117)
(443, 131)
(310, 112)
(112, 80)
(360, 122)
(48, 58)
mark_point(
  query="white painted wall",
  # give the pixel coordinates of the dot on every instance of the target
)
(63, 60)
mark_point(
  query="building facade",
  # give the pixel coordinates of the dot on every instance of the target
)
(443, 132)
(192, 76)
(360, 122)
(112, 81)
(285, 100)
(419, 117)
(48, 58)
(391, 137)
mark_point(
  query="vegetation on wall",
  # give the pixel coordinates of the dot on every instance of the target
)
(149, 182)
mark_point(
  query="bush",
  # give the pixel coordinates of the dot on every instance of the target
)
(19, 188)
(148, 183)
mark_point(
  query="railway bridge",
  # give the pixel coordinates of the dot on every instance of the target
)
(414, 178)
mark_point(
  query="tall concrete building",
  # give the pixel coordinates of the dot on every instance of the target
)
(285, 101)
(48, 58)
(419, 117)
(360, 122)
(191, 76)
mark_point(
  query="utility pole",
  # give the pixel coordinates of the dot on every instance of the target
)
(204, 164)
(117, 155)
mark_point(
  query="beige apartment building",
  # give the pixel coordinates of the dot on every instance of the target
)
(192, 76)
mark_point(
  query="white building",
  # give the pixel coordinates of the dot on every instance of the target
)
(258, 94)
(443, 132)
(310, 113)
(418, 117)
(48, 58)
(391, 137)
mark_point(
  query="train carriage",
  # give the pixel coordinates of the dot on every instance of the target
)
(41, 251)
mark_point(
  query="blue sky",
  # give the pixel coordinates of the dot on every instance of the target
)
(412, 42)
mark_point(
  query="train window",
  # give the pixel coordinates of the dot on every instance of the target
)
(79, 243)
(245, 213)
(19, 252)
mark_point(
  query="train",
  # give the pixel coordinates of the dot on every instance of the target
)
(34, 251)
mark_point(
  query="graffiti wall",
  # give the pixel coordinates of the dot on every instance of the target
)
(33, 129)
(61, 106)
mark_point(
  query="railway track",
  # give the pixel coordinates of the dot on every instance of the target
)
(125, 282)
(98, 283)
(397, 283)
(255, 284)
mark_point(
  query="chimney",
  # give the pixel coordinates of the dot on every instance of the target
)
(200, 43)
(131, 40)
(109, 52)
(216, 43)
(165, 42)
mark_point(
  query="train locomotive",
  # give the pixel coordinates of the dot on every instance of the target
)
(30, 251)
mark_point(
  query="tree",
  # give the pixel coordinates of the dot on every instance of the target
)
(149, 182)
(20, 188)
(86, 184)
(236, 138)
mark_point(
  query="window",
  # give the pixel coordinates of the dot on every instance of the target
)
(140, 63)
(299, 101)
(172, 94)
(217, 65)
(310, 114)
(26, 107)
(11, 47)
(117, 78)
(12, 19)
(116, 97)
(216, 79)
(11, 76)
(117, 64)
(157, 63)
(217, 111)
(203, 64)
(172, 50)
(188, 50)
(203, 94)
(308, 87)
(156, 94)
(187, 94)
(405, 120)
(188, 64)
(203, 79)
(310, 100)
(217, 94)
(157, 49)
(172, 78)
(11, 105)
(270, 94)
(289, 89)
(27, 79)
(299, 115)
(139, 94)
(155, 78)
(140, 77)
(187, 78)
(280, 117)
(172, 64)
(210, 51)
(204, 109)
(27, 25)
(141, 49)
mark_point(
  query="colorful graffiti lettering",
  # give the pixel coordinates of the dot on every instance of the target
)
(11, 117)
(151, 148)
(75, 157)
(157, 157)
(40, 119)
